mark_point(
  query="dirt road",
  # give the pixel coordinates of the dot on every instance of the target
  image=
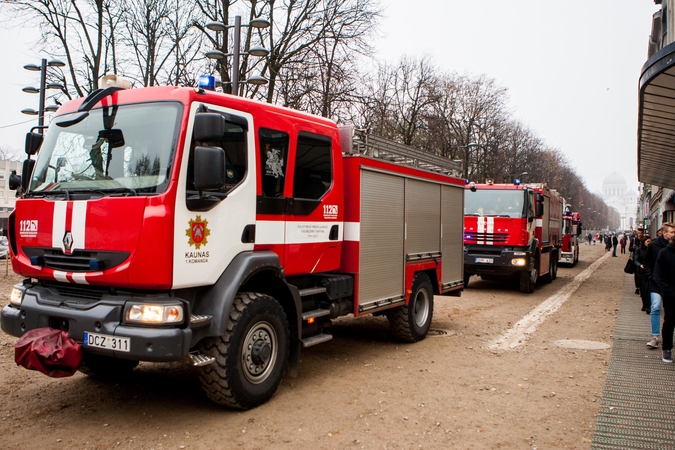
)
(360, 390)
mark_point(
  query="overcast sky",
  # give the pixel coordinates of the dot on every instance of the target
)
(571, 68)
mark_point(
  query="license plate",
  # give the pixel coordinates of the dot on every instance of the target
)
(119, 344)
(484, 260)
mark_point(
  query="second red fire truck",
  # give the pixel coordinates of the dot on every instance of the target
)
(512, 231)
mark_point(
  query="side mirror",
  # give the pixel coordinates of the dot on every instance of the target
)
(209, 167)
(27, 172)
(540, 209)
(33, 143)
(14, 181)
(208, 127)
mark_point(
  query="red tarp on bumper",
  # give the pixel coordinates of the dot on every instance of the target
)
(50, 351)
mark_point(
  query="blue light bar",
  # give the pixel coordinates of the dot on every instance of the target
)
(207, 82)
(516, 182)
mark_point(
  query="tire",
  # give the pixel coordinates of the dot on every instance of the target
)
(252, 355)
(106, 367)
(575, 260)
(467, 276)
(528, 280)
(411, 322)
(552, 269)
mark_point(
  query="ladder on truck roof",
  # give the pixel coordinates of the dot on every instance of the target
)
(358, 142)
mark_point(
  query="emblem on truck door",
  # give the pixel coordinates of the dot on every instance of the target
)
(198, 232)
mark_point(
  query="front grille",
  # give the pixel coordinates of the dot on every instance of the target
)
(77, 262)
(485, 238)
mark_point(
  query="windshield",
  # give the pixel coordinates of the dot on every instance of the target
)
(494, 202)
(119, 148)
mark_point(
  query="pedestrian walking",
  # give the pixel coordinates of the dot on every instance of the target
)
(636, 241)
(640, 277)
(615, 242)
(622, 243)
(664, 275)
(667, 231)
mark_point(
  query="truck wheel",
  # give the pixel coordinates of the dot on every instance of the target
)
(528, 280)
(411, 322)
(251, 356)
(467, 276)
(552, 269)
(575, 260)
(106, 367)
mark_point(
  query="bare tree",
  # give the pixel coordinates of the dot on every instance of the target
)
(81, 32)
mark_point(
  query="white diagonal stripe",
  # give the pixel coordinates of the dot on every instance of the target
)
(528, 324)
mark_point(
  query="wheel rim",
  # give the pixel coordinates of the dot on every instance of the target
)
(421, 307)
(533, 276)
(259, 353)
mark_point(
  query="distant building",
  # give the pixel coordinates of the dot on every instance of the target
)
(616, 194)
(656, 115)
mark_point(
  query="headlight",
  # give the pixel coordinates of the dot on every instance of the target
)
(16, 296)
(155, 314)
(519, 261)
(519, 254)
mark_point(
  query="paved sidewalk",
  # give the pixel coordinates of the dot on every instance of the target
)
(638, 401)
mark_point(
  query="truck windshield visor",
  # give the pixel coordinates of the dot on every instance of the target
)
(125, 147)
(494, 203)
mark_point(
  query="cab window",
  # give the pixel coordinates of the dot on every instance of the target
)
(233, 142)
(273, 161)
(313, 169)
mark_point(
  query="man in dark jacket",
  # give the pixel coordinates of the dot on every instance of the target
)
(664, 276)
(636, 242)
(615, 242)
(668, 232)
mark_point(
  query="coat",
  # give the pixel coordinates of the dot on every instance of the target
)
(650, 260)
(664, 272)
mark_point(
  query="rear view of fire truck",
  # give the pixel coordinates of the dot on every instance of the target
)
(512, 231)
(166, 224)
(569, 250)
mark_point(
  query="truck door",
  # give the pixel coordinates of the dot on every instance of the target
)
(314, 228)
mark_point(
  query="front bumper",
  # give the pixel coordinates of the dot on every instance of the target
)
(43, 307)
(566, 257)
(479, 260)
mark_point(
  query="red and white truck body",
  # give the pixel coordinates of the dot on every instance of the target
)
(569, 249)
(164, 224)
(512, 230)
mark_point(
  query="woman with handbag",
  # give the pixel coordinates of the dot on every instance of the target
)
(640, 276)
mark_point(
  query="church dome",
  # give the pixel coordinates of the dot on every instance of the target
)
(615, 180)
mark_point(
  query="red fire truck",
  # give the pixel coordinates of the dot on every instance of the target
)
(512, 231)
(569, 250)
(166, 224)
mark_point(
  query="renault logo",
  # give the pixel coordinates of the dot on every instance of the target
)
(68, 241)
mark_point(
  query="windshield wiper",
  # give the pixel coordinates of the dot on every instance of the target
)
(48, 193)
(122, 190)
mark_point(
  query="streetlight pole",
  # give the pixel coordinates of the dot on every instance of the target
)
(236, 50)
(42, 68)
